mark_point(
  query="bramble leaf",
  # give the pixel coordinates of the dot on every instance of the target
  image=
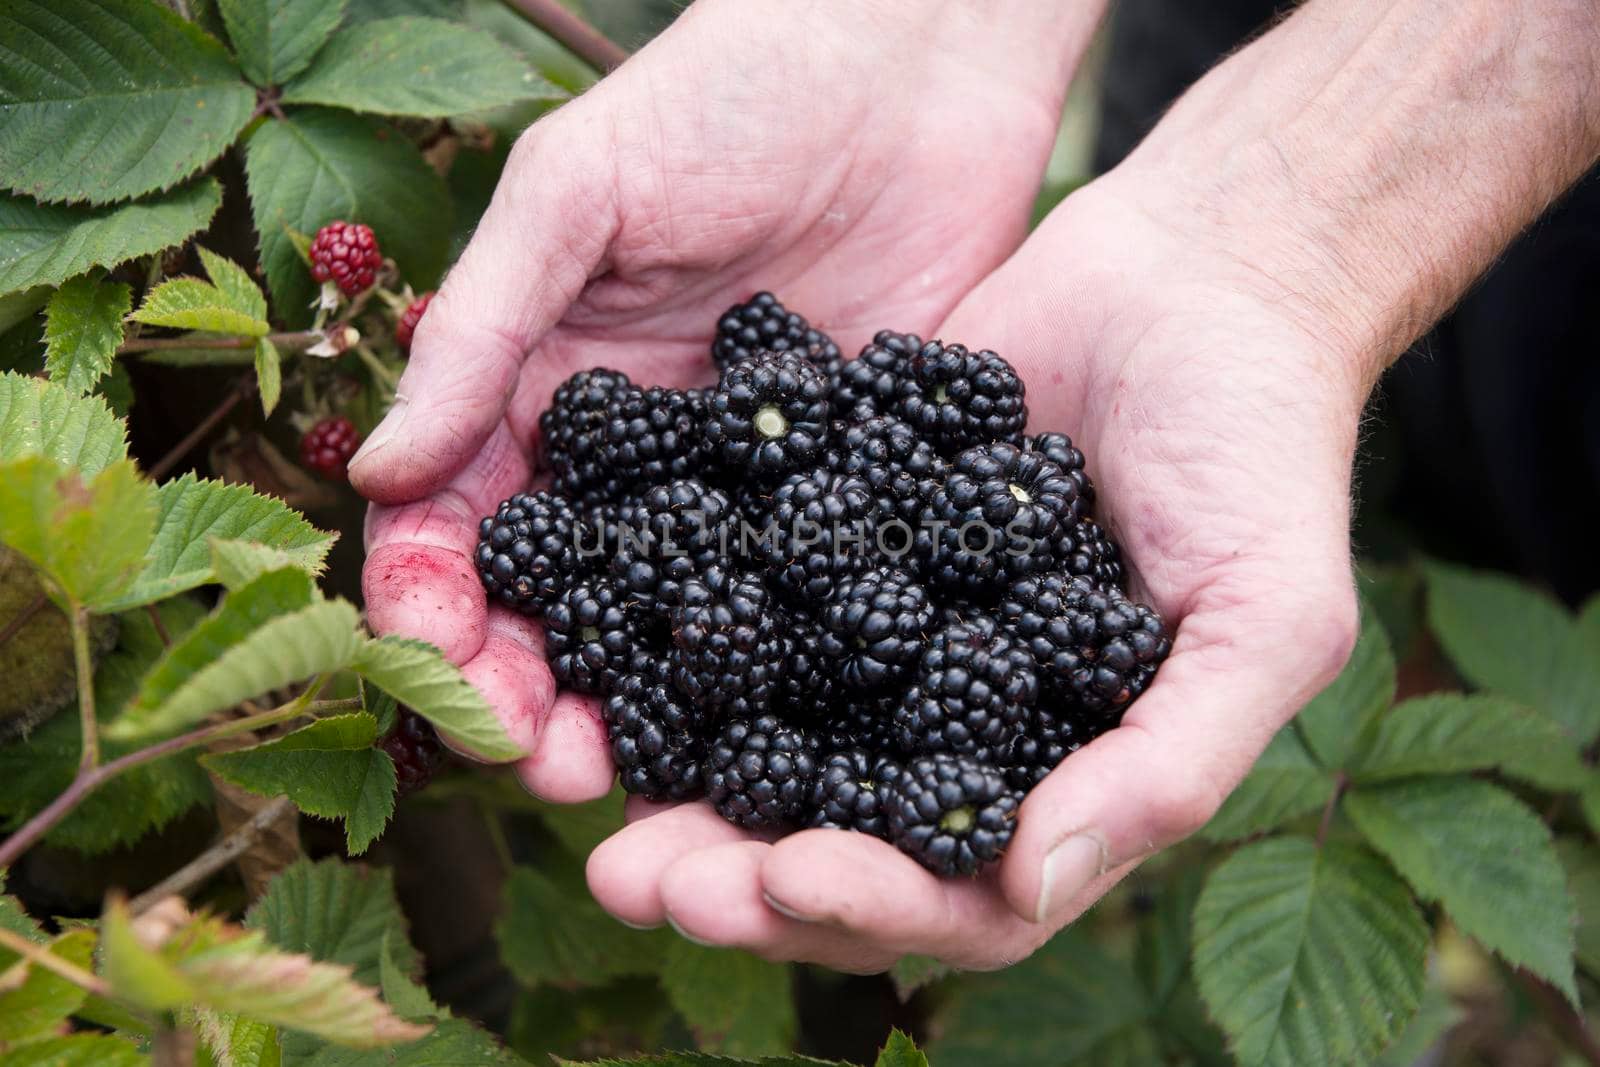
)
(40, 418)
(1286, 783)
(734, 1002)
(269, 374)
(83, 327)
(35, 1002)
(339, 912)
(552, 931)
(276, 39)
(79, 1050)
(900, 1051)
(418, 676)
(1336, 719)
(191, 304)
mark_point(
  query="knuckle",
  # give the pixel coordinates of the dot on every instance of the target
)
(1180, 807)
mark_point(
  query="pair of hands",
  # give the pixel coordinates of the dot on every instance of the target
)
(878, 174)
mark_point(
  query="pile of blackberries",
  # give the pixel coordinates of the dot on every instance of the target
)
(827, 593)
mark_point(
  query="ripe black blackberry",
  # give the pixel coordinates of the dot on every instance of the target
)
(653, 435)
(674, 532)
(808, 682)
(1095, 648)
(1084, 547)
(952, 814)
(655, 739)
(727, 646)
(527, 551)
(1050, 737)
(818, 528)
(860, 721)
(416, 751)
(870, 384)
(762, 324)
(768, 416)
(848, 791)
(760, 772)
(573, 432)
(956, 398)
(901, 468)
(1059, 449)
(592, 634)
(975, 689)
(874, 626)
(998, 515)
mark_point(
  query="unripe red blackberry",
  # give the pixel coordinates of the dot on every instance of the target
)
(407, 326)
(346, 254)
(327, 447)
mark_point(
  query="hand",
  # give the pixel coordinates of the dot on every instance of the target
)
(868, 161)
(1220, 431)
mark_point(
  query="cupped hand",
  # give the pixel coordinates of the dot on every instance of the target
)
(1219, 422)
(870, 162)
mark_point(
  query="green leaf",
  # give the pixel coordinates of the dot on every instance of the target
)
(329, 769)
(1285, 783)
(581, 827)
(338, 912)
(553, 931)
(900, 1051)
(193, 512)
(400, 990)
(911, 973)
(453, 1043)
(1447, 733)
(1308, 955)
(1507, 637)
(417, 675)
(208, 963)
(1582, 864)
(734, 1002)
(316, 166)
(235, 1042)
(247, 662)
(238, 563)
(191, 304)
(1473, 847)
(40, 418)
(110, 99)
(1338, 717)
(275, 39)
(43, 244)
(1161, 954)
(83, 327)
(33, 1001)
(269, 374)
(701, 1059)
(80, 1050)
(239, 291)
(87, 538)
(417, 66)
(1015, 1017)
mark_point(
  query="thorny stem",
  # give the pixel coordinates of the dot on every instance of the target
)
(293, 340)
(83, 666)
(160, 627)
(90, 779)
(572, 33)
(1339, 784)
(21, 618)
(41, 956)
(213, 859)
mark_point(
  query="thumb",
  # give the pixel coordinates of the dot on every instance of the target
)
(543, 234)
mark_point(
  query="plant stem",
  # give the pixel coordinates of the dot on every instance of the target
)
(41, 956)
(21, 618)
(243, 388)
(83, 666)
(572, 33)
(160, 627)
(294, 340)
(1339, 784)
(88, 780)
(213, 859)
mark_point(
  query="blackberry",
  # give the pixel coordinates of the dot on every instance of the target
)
(808, 684)
(848, 791)
(652, 435)
(416, 751)
(998, 515)
(1084, 547)
(1050, 737)
(952, 814)
(674, 532)
(863, 722)
(727, 649)
(975, 689)
(762, 324)
(870, 384)
(1095, 648)
(406, 327)
(901, 468)
(527, 551)
(819, 528)
(573, 431)
(327, 447)
(654, 737)
(874, 626)
(346, 254)
(768, 416)
(1059, 449)
(760, 772)
(957, 398)
(592, 634)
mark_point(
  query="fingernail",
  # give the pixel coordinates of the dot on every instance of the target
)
(1067, 868)
(639, 926)
(785, 910)
(383, 434)
(687, 936)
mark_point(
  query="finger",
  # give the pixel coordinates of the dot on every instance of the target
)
(625, 869)
(419, 580)
(865, 888)
(510, 671)
(1248, 654)
(571, 761)
(544, 232)
(714, 896)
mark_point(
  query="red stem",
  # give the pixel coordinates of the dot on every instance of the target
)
(573, 33)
